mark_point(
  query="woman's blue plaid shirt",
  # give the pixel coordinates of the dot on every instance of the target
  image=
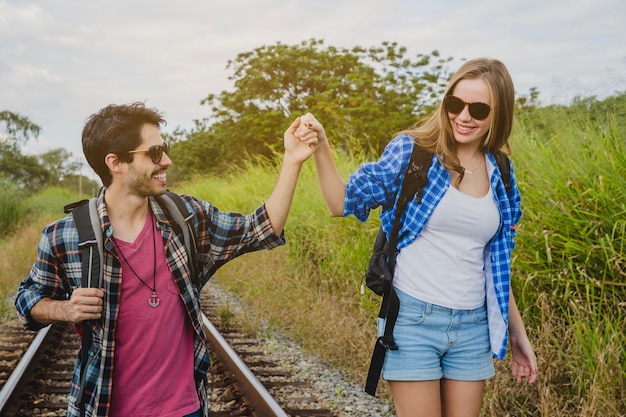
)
(377, 184)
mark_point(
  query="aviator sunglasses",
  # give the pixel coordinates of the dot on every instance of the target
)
(156, 152)
(455, 105)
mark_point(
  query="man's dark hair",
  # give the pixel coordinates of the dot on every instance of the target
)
(115, 129)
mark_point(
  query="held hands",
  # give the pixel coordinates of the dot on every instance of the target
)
(308, 124)
(307, 131)
(84, 304)
(300, 142)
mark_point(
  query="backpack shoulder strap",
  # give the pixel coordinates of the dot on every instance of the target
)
(85, 214)
(177, 208)
(504, 165)
(416, 176)
(415, 180)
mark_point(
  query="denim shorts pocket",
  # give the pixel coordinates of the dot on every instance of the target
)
(411, 314)
(479, 315)
(408, 316)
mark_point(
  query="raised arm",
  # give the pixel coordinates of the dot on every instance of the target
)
(332, 186)
(297, 150)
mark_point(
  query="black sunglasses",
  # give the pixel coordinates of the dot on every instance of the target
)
(455, 105)
(156, 152)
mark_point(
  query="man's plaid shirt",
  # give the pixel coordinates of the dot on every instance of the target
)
(377, 184)
(220, 237)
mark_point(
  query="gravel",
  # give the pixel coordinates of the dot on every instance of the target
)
(335, 389)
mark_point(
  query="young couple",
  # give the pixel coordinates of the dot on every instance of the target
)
(452, 274)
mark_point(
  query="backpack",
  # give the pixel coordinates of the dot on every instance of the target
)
(379, 274)
(85, 214)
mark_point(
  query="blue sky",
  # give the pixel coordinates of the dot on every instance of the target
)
(62, 60)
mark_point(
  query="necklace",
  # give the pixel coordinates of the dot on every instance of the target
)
(154, 299)
(468, 171)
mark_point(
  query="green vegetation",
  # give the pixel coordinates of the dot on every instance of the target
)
(18, 244)
(571, 264)
(9, 207)
(31, 173)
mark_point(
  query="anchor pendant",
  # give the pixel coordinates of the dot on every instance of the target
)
(154, 300)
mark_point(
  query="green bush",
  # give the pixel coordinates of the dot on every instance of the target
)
(9, 207)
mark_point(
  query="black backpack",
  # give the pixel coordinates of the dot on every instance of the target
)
(85, 214)
(379, 274)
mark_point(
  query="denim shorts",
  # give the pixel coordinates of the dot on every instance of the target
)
(436, 342)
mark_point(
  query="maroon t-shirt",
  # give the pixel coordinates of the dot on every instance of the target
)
(153, 370)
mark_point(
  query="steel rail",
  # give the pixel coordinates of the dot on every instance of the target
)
(10, 390)
(258, 398)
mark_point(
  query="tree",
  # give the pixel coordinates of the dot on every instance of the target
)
(32, 172)
(58, 162)
(24, 171)
(16, 130)
(359, 94)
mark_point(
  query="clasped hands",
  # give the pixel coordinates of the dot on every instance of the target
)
(303, 136)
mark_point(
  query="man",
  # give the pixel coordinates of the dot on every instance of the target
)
(149, 356)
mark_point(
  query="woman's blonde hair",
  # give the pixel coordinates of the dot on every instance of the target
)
(436, 135)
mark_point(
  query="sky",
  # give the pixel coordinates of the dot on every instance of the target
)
(63, 60)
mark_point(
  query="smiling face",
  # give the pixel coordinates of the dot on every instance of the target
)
(145, 178)
(467, 130)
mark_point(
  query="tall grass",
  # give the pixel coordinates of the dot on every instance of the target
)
(570, 257)
(18, 244)
(9, 206)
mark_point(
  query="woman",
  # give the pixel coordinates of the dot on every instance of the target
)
(453, 267)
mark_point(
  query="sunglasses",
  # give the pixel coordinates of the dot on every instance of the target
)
(156, 152)
(455, 105)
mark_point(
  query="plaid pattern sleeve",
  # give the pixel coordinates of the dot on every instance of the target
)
(376, 184)
(54, 274)
(223, 236)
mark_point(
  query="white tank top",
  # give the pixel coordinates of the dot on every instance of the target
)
(445, 264)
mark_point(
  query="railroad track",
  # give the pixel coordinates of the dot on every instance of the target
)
(36, 370)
